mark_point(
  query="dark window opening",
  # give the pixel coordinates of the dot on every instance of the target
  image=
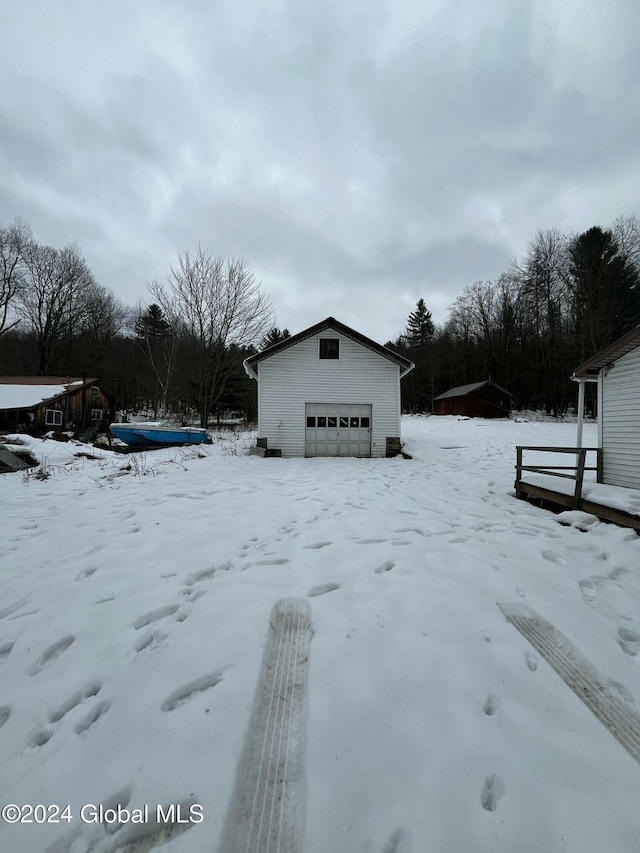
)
(322, 422)
(329, 348)
(364, 422)
(95, 392)
(332, 422)
(344, 422)
(355, 423)
(311, 422)
(53, 417)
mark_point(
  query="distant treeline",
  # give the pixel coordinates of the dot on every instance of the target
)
(566, 299)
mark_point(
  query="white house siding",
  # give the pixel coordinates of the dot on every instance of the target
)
(296, 376)
(620, 420)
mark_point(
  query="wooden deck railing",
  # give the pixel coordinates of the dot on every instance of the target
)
(578, 468)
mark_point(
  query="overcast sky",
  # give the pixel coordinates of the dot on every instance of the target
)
(360, 154)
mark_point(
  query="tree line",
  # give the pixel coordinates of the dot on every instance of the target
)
(564, 300)
(567, 298)
(180, 354)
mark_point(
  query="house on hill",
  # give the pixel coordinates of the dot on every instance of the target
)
(477, 400)
(616, 369)
(42, 403)
(328, 391)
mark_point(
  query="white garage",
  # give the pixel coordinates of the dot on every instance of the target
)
(328, 391)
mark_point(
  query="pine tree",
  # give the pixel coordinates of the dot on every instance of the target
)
(419, 333)
(152, 326)
(418, 338)
(153, 334)
(274, 336)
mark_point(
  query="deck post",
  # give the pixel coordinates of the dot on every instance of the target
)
(582, 455)
(580, 411)
(518, 470)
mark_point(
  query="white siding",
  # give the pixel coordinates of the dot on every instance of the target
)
(295, 376)
(620, 419)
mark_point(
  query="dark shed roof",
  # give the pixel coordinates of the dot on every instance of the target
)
(331, 323)
(590, 368)
(463, 390)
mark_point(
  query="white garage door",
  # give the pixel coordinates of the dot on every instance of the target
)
(337, 429)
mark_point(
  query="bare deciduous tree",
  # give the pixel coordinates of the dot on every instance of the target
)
(55, 299)
(212, 304)
(14, 243)
(490, 311)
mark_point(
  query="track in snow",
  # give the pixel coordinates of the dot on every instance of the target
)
(622, 721)
(265, 814)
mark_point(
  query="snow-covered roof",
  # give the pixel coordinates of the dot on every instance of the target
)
(23, 392)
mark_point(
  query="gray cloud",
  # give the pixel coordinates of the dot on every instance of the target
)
(359, 155)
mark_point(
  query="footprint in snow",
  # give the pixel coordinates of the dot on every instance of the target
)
(317, 545)
(532, 662)
(12, 608)
(187, 691)
(50, 655)
(150, 640)
(98, 710)
(618, 572)
(192, 595)
(202, 575)
(619, 691)
(322, 589)
(384, 567)
(491, 704)
(5, 713)
(88, 692)
(86, 573)
(37, 739)
(397, 843)
(5, 651)
(552, 557)
(154, 616)
(628, 641)
(492, 791)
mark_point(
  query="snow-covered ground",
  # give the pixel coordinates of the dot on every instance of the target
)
(134, 610)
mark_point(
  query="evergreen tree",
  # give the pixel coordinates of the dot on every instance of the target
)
(274, 336)
(605, 287)
(418, 339)
(152, 326)
(153, 334)
(419, 333)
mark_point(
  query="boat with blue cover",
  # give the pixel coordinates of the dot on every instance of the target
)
(150, 433)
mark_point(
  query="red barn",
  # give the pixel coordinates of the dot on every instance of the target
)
(478, 400)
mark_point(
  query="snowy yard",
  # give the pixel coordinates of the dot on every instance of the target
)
(134, 609)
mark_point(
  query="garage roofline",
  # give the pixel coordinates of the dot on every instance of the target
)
(251, 363)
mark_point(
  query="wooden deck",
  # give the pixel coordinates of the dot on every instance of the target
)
(558, 499)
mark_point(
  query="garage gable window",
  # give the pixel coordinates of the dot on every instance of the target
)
(329, 348)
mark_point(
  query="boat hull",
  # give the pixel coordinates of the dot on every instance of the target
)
(137, 435)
